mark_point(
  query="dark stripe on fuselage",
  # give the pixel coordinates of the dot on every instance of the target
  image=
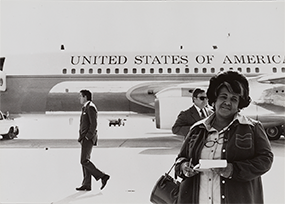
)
(31, 93)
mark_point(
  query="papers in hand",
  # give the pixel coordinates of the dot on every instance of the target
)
(210, 164)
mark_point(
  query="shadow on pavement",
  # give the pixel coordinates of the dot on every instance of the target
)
(76, 197)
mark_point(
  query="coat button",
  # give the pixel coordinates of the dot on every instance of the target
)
(223, 181)
(224, 150)
(223, 196)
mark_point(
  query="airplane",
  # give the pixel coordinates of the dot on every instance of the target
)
(159, 84)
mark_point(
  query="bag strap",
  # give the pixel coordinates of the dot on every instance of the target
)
(171, 169)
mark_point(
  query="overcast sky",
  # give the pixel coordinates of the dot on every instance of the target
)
(132, 26)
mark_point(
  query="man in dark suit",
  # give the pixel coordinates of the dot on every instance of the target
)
(88, 138)
(198, 111)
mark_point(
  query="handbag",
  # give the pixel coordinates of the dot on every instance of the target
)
(166, 189)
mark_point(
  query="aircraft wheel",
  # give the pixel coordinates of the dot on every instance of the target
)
(273, 133)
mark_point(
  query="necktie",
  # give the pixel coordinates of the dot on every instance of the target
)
(202, 114)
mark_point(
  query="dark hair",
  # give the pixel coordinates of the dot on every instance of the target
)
(86, 93)
(197, 91)
(235, 82)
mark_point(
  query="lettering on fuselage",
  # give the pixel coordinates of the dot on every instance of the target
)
(175, 59)
(255, 59)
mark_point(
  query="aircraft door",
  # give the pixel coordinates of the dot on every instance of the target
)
(2, 81)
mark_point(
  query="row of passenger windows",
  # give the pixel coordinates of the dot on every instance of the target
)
(161, 70)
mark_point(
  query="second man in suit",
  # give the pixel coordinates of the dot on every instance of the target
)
(198, 111)
(88, 138)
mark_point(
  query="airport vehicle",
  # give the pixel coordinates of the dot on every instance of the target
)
(118, 122)
(154, 83)
(8, 129)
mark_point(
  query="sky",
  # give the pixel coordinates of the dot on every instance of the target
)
(41, 26)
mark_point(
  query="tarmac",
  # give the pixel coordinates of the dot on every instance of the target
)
(47, 169)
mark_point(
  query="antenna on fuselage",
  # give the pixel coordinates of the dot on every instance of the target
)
(62, 47)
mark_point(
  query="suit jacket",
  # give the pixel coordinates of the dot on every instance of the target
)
(88, 123)
(186, 119)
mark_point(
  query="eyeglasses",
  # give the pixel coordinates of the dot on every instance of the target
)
(202, 98)
(211, 143)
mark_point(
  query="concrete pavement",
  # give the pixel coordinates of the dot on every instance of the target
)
(42, 165)
(37, 175)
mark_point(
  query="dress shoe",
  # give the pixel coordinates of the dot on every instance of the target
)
(84, 188)
(104, 180)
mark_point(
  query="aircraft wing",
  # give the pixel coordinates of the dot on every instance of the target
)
(272, 79)
(145, 94)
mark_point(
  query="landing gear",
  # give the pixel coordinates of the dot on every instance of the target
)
(274, 133)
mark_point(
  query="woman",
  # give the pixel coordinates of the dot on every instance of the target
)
(227, 135)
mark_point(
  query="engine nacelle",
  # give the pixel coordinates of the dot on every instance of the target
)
(168, 108)
(2, 81)
(169, 103)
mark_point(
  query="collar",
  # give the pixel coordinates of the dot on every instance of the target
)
(85, 104)
(198, 109)
(207, 122)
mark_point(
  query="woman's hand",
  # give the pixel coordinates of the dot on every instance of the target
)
(187, 169)
(224, 172)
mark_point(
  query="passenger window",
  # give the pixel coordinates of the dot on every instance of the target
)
(108, 71)
(204, 70)
(256, 70)
(99, 71)
(151, 70)
(283, 69)
(117, 71)
(213, 70)
(186, 70)
(143, 70)
(64, 71)
(90, 71)
(81, 71)
(134, 70)
(274, 69)
(160, 70)
(196, 70)
(125, 70)
(169, 70)
(248, 70)
(177, 70)
(239, 69)
(73, 71)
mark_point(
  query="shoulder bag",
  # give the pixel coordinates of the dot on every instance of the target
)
(166, 189)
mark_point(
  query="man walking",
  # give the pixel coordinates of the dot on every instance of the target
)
(88, 138)
(198, 111)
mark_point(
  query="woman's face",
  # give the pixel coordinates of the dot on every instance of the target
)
(226, 105)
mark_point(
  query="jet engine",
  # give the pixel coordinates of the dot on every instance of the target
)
(168, 104)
